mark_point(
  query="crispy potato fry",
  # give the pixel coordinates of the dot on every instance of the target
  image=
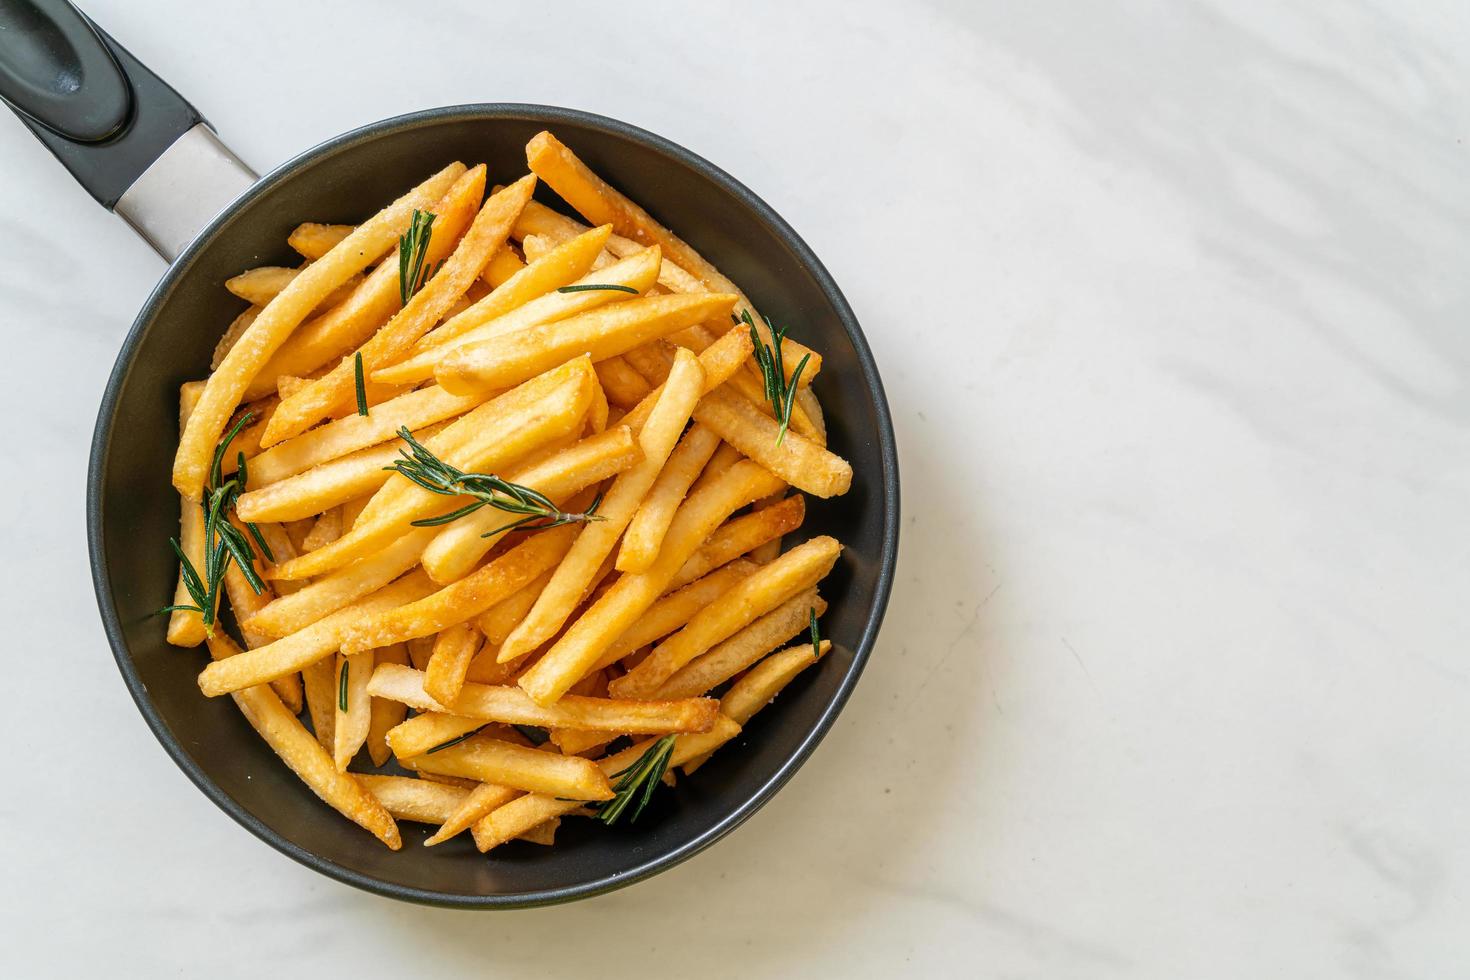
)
(794, 572)
(313, 240)
(485, 670)
(636, 273)
(646, 531)
(760, 685)
(550, 160)
(185, 628)
(354, 707)
(740, 536)
(538, 219)
(674, 609)
(486, 234)
(416, 409)
(420, 649)
(582, 645)
(328, 528)
(418, 800)
(603, 333)
(460, 545)
(525, 812)
(319, 682)
(284, 313)
(453, 649)
(494, 435)
(771, 548)
(306, 646)
(535, 246)
(573, 577)
(543, 833)
(502, 265)
(511, 706)
(244, 602)
(624, 386)
(352, 509)
(490, 760)
(260, 285)
(720, 361)
(426, 732)
(480, 801)
(797, 460)
(385, 714)
(497, 621)
(728, 658)
(294, 744)
(462, 601)
(227, 340)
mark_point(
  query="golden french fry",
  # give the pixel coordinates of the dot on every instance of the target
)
(458, 546)
(740, 536)
(490, 760)
(307, 646)
(313, 240)
(497, 621)
(416, 409)
(720, 361)
(572, 579)
(328, 528)
(674, 609)
(535, 246)
(600, 204)
(797, 460)
(525, 812)
(624, 386)
(486, 234)
(284, 313)
(502, 265)
(418, 800)
(760, 684)
(420, 649)
(495, 434)
(637, 273)
(385, 714)
(646, 531)
(794, 572)
(228, 339)
(354, 707)
(582, 645)
(511, 706)
(461, 601)
(481, 800)
(603, 333)
(453, 649)
(426, 732)
(750, 644)
(543, 833)
(772, 548)
(294, 744)
(319, 682)
(484, 669)
(260, 285)
(185, 628)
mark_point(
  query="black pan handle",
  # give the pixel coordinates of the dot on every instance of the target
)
(135, 144)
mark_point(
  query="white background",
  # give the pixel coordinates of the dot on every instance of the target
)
(1171, 303)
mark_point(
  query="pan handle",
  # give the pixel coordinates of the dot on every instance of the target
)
(135, 144)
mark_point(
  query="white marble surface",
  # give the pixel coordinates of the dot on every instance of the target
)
(1171, 303)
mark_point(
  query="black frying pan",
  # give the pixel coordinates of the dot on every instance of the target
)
(142, 150)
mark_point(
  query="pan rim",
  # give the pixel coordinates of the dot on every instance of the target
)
(550, 116)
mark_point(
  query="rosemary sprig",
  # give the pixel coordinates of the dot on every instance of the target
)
(816, 633)
(342, 686)
(362, 408)
(223, 541)
(638, 780)
(779, 392)
(420, 465)
(587, 287)
(413, 245)
(453, 741)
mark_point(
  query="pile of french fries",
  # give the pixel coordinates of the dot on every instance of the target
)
(501, 678)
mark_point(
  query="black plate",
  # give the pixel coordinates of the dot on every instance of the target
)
(131, 510)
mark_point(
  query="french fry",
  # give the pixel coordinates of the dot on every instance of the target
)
(465, 599)
(260, 285)
(319, 683)
(761, 684)
(458, 546)
(426, 732)
(603, 333)
(385, 714)
(624, 386)
(582, 645)
(185, 628)
(232, 334)
(352, 509)
(766, 552)
(728, 658)
(479, 801)
(797, 460)
(510, 706)
(328, 528)
(324, 486)
(720, 361)
(550, 160)
(453, 649)
(284, 313)
(674, 609)
(646, 531)
(294, 744)
(486, 234)
(418, 800)
(495, 434)
(525, 812)
(740, 536)
(572, 579)
(312, 240)
(794, 572)
(244, 602)
(535, 246)
(538, 219)
(306, 646)
(543, 833)
(485, 670)
(490, 760)
(502, 265)
(354, 707)
(420, 649)
(497, 621)
(344, 328)
(416, 409)
(637, 273)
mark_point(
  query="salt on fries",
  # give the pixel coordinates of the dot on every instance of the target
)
(518, 475)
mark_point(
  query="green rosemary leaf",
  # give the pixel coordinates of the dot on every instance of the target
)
(816, 633)
(342, 687)
(638, 781)
(362, 408)
(444, 745)
(587, 287)
(413, 245)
